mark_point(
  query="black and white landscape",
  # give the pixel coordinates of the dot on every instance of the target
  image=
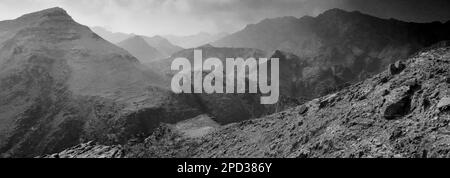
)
(351, 85)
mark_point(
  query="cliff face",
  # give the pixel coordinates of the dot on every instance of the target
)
(401, 112)
(60, 84)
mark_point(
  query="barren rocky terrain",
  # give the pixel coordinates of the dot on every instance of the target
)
(401, 112)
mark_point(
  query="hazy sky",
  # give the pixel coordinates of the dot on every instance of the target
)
(185, 17)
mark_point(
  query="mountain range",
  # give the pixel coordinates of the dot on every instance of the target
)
(163, 46)
(189, 41)
(350, 45)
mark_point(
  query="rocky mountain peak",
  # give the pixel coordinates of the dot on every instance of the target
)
(55, 13)
(55, 18)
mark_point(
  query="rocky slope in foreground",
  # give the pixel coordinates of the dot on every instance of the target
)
(402, 112)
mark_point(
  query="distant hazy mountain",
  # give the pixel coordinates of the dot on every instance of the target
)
(194, 41)
(162, 45)
(139, 48)
(113, 37)
(61, 84)
(351, 45)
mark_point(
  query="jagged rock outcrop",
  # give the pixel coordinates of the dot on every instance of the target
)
(89, 150)
(396, 68)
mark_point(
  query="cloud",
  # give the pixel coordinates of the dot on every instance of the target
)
(185, 17)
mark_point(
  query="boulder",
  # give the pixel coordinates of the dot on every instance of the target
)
(303, 109)
(396, 68)
(397, 104)
(444, 104)
(395, 110)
